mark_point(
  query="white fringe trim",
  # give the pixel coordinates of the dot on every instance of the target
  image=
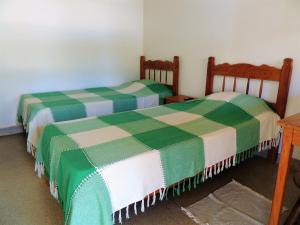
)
(53, 189)
(39, 169)
(148, 201)
(120, 216)
(135, 210)
(31, 149)
(127, 212)
(154, 198)
(142, 206)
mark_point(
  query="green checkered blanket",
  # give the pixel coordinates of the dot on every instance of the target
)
(37, 110)
(99, 166)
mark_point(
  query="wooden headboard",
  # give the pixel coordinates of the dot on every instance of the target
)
(263, 73)
(160, 71)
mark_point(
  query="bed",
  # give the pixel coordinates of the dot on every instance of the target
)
(158, 79)
(100, 167)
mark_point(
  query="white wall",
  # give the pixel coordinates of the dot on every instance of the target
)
(61, 44)
(254, 31)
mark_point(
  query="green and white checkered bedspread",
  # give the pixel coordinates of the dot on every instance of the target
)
(37, 110)
(98, 166)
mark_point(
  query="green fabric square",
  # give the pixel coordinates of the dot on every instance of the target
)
(201, 126)
(247, 134)
(120, 118)
(110, 152)
(66, 110)
(52, 142)
(205, 106)
(185, 159)
(143, 92)
(47, 95)
(51, 96)
(157, 111)
(142, 126)
(162, 90)
(147, 82)
(185, 106)
(93, 99)
(94, 194)
(73, 167)
(51, 156)
(102, 91)
(81, 125)
(253, 106)
(44, 142)
(159, 88)
(123, 102)
(66, 101)
(163, 137)
(229, 114)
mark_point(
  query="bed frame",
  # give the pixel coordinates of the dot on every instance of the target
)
(158, 68)
(251, 72)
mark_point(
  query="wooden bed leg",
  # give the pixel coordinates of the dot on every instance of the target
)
(273, 154)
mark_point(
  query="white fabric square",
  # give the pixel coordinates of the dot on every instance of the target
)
(219, 145)
(98, 136)
(98, 108)
(36, 125)
(223, 96)
(132, 179)
(178, 118)
(82, 95)
(268, 125)
(132, 88)
(28, 101)
(147, 101)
